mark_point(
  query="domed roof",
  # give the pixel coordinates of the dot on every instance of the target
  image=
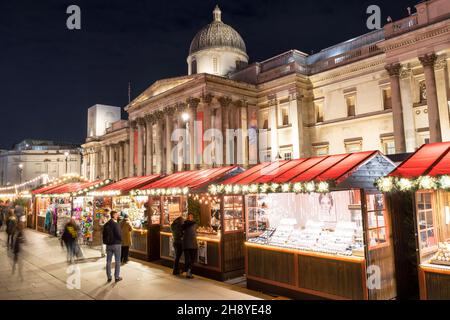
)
(217, 34)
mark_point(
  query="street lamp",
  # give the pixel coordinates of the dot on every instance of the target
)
(20, 173)
(66, 154)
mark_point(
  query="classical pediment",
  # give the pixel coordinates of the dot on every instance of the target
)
(161, 86)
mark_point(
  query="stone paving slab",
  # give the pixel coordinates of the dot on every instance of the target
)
(45, 273)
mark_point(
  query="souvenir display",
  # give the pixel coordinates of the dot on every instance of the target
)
(442, 256)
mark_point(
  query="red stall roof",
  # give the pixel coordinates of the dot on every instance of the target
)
(325, 168)
(431, 159)
(46, 188)
(128, 184)
(71, 187)
(190, 179)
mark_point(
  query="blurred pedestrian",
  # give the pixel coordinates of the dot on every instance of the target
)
(19, 211)
(104, 218)
(2, 217)
(126, 228)
(69, 237)
(11, 225)
(177, 234)
(112, 237)
(189, 244)
(18, 242)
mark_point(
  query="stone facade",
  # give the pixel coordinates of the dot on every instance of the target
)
(386, 90)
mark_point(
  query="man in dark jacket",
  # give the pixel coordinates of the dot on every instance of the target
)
(177, 234)
(189, 244)
(112, 237)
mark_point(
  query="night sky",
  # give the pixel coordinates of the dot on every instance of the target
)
(50, 75)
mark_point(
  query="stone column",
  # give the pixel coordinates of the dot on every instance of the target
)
(193, 104)
(427, 62)
(224, 109)
(149, 145)
(121, 159)
(112, 162)
(168, 142)
(207, 119)
(126, 159)
(397, 108)
(273, 129)
(106, 165)
(140, 151)
(98, 171)
(159, 147)
(406, 84)
(296, 120)
(131, 164)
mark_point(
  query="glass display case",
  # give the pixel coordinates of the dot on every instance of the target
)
(134, 207)
(233, 218)
(327, 223)
(433, 227)
(155, 210)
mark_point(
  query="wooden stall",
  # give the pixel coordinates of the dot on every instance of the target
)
(425, 177)
(317, 228)
(53, 205)
(220, 232)
(116, 196)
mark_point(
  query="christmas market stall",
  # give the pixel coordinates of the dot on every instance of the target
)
(317, 227)
(56, 206)
(116, 196)
(425, 178)
(220, 237)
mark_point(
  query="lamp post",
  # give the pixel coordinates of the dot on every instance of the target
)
(66, 155)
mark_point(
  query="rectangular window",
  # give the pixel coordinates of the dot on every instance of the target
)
(264, 119)
(387, 98)
(287, 156)
(351, 105)
(388, 145)
(321, 150)
(378, 222)
(354, 146)
(425, 222)
(215, 65)
(318, 112)
(283, 115)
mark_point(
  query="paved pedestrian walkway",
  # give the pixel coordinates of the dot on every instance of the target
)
(45, 274)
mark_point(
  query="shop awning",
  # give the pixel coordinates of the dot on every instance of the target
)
(184, 181)
(125, 185)
(314, 174)
(71, 189)
(324, 168)
(429, 160)
(46, 188)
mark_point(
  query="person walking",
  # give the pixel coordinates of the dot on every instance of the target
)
(112, 238)
(177, 234)
(69, 237)
(104, 218)
(19, 240)
(11, 225)
(126, 228)
(2, 217)
(189, 244)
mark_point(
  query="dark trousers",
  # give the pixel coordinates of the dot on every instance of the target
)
(124, 254)
(189, 258)
(10, 241)
(178, 247)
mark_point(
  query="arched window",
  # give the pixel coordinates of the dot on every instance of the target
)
(215, 63)
(194, 66)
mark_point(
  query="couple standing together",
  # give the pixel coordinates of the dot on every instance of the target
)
(184, 233)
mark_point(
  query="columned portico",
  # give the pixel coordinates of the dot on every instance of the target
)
(149, 145)
(140, 151)
(131, 164)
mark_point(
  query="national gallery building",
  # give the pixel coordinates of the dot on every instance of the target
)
(386, 90)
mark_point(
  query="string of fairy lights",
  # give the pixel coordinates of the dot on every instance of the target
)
(391, 184)
(298, 187)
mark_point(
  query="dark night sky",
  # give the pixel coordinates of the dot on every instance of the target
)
(49, 75)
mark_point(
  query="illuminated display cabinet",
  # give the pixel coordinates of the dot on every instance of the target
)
(315, 226)
(419, 191)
